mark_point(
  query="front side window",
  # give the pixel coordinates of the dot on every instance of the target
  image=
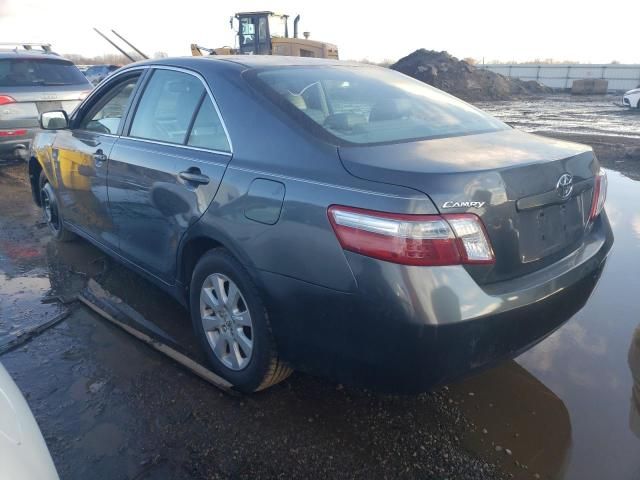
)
(207, 131)
(167, 106)
(30, 72)
(365, 105)
(106, 114)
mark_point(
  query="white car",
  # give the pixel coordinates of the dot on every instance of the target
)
(23, 452)
(632, 98)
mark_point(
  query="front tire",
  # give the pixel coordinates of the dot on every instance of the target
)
(51, 212)
(232, 324)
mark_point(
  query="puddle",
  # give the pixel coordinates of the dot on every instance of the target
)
(20, 304)
(575, 405)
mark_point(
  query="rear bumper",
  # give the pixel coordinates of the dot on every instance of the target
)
(17, 146)
(409, 329)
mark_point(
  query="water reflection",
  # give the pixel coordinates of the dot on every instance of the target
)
(586, 364)
(634, 365)
(513, 410)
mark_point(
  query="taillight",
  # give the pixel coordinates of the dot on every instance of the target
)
(13, 133)
(6, 99)
(412, 239)
(599, 194)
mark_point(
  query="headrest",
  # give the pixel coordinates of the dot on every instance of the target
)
(344, 121)
(390, 109)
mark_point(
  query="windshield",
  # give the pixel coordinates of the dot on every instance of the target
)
(365, 105)
(28, 72)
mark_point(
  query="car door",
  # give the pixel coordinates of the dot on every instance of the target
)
(80, 157)
(166, 168)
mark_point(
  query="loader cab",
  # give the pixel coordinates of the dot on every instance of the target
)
(255, 30)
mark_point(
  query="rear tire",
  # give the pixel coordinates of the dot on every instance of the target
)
(232, 324)
(50, 211)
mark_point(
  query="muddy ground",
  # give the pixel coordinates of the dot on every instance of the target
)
(112, 408)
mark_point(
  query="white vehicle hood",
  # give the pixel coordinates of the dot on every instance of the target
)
(23, 452)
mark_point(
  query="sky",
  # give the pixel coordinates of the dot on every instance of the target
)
(489, 29)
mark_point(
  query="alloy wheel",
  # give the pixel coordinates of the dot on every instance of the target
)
(226, 321)
(50, 210)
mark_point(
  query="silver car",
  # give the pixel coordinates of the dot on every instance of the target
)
(33, 82)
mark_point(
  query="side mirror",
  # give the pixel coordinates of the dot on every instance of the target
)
(54, 120)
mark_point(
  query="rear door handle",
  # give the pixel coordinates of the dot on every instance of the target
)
(194, 176)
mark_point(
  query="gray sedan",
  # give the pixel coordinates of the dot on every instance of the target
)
(325, 216)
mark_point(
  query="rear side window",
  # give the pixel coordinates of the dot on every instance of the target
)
(207, 130)
(167, 107)
(31, 72)
(365, 105)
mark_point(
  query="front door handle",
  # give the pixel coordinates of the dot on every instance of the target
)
(99, 157)
(194, 176)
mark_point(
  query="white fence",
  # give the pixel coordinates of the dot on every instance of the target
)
(621, 77)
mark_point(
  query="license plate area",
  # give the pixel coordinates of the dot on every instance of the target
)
(547, 230)
(48, 106)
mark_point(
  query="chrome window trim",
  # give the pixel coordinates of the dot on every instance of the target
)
(211, 97)
(102, 87)
(177, 145)
(111, 77)
(158, 142)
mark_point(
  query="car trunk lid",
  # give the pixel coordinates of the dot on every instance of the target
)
(30, 102)
(508, 178)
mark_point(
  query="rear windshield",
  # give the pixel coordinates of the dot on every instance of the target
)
(365, 105)
(29, 72)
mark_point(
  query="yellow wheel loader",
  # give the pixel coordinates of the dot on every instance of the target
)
(267, 33)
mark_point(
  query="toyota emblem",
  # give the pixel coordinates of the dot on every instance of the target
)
(564, 187)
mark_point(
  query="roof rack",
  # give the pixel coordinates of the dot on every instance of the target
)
(42, 47)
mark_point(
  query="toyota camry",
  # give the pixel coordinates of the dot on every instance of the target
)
(329, 217)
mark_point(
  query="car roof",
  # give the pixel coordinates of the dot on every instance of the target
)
(279, 61)
(31, 55)
(248, 61)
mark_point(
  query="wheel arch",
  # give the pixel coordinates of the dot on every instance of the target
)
(197, 243)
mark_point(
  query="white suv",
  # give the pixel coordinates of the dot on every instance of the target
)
(632, 98)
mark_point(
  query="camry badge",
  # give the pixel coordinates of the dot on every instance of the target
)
(463, 204)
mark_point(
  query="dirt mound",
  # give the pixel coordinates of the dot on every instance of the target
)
(462, 79)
